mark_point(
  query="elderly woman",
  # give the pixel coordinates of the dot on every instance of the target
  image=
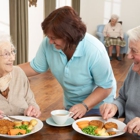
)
(16, 97)
(127, 104)
(113, 34)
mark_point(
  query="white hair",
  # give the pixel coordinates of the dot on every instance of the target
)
(114, 16)
(134, 34)
(4, 37)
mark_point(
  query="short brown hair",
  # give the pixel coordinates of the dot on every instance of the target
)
(66, 24)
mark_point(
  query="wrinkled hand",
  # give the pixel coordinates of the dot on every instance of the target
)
(32, 112)
(79, 111)
(108, 110)
(133, 126)
(107, 35)
(1, 112)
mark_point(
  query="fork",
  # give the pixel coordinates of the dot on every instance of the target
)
(11, 118)
(114, 129)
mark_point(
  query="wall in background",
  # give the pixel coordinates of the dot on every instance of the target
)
(60, 3)
(35, 32)
(4, 16)
(92, 13)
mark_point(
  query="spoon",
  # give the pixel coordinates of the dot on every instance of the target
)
(114, 129)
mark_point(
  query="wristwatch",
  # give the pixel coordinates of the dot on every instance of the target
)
(85, 105)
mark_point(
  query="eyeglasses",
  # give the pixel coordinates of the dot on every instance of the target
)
(7, 54)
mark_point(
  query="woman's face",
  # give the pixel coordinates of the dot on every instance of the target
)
(7, 58)
(113, 22)
(58, 43)
(134, 54)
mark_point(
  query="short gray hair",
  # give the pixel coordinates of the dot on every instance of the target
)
(114, 16)
(134, 34)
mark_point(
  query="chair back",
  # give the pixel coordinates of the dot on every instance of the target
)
(100, 28)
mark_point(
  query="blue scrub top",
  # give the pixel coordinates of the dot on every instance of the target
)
(88, 68)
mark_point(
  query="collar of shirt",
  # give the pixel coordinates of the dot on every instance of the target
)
(78, 52)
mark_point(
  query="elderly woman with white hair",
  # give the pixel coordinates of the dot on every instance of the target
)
(16, 97)
(127, 104)
(113, 34)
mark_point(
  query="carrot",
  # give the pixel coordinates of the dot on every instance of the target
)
(16, 131)
(82, 122)
(81, 126)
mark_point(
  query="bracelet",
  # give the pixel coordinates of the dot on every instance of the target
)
(85, 105)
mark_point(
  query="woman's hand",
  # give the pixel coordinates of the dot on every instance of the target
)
(79, 111)
(32, 112)
(133, 126)
(108, 110)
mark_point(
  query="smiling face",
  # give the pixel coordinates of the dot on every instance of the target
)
(134, 54)
(6, 61)
(59, 43)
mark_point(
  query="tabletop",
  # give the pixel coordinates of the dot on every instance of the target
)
(65, 133)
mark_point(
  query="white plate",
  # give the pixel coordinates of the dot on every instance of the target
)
(52, 123)
(25, 118)
(120, 124)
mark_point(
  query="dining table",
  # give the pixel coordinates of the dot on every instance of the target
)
(65, 133)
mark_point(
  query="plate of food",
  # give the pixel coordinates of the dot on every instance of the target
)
(96, 127)
(18, 129)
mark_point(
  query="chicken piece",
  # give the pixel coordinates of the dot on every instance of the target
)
(5, 126)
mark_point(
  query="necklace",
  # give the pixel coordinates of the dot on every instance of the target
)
(113, 28)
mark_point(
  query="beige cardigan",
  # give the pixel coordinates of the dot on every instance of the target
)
(20, 95)
(115, 31)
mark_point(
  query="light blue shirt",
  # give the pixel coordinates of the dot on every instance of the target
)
(88, 68)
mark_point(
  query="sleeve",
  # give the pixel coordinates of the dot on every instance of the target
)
(29, 95)
(101, 71)
(40, 63)
(21, 95)
(121, 100)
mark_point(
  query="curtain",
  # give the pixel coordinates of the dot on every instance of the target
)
(49, 6)
(19, 28)
(76, 5)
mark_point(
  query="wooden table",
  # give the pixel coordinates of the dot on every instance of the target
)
(65, 133)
